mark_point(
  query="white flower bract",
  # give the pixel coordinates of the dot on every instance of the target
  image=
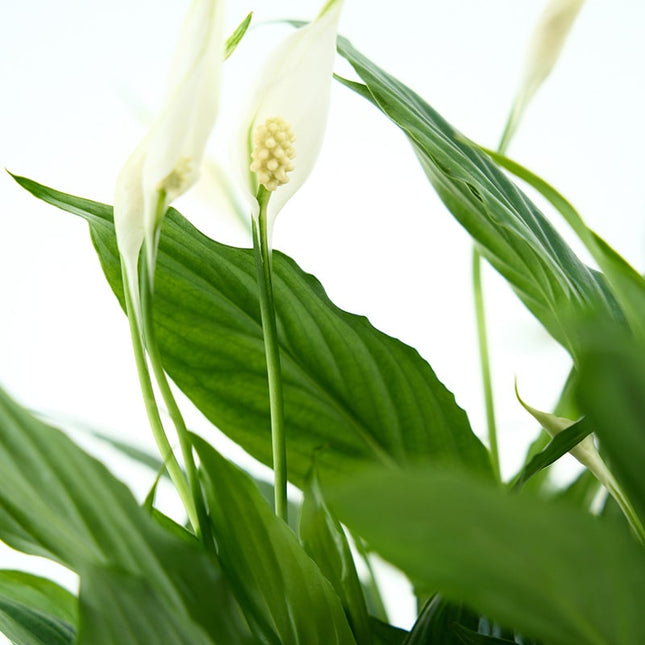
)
(166, 163)
(293, 85)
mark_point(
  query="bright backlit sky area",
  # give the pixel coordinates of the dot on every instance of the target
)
(81, 80)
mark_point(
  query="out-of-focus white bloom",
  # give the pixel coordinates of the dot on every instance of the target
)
(281, 132)
(167, 162)
(547, 41)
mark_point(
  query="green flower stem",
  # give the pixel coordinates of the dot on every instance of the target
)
(606, 478)
(482, 337)
(628, 511)
(263, 265)
(202, 525)
(170, 461)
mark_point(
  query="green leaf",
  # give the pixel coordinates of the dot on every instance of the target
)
(560, 445)
(385, 634)
(470, 637)
(511, 233)
(324, 540)
(36, 611)
(352, 394)
(581, 491)
(612, 391)
(549, 571)
(627, 285)
(57, 501)
(437, 622)
(125, 609)
(234, 39)
(286, 598)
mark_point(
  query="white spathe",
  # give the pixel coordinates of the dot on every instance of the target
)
(547, 40)
(294, 84)
(546, 43)
(167, 162)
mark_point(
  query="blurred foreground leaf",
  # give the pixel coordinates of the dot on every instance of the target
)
(36, 611)
(58, 502)
(612, 391)
(546, 570)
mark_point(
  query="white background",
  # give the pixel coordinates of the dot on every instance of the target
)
(80, 81)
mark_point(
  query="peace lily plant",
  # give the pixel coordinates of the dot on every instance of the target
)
(385, 461)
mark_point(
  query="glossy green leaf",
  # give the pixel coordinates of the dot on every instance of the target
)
(612, 391)
(324, 540)
(627, 285)
(511, 233)
(352, 394)
(550, 571)
(36, 611)
(57, 501)
(560, 445)
(286, 598)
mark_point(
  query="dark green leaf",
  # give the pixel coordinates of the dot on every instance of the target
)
(549, 571)
(352, 394)
(59, 502)
(436, 623)
(470, 637)
(385, 634)
(509, 230)
(560, 445)
(286, 598)
(324, 540)
(36, 611)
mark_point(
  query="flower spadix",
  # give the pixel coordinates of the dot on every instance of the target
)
(282, 130)
(167, 162)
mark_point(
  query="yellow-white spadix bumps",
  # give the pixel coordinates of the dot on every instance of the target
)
(272, 152)
(282, 129)
(167, 162)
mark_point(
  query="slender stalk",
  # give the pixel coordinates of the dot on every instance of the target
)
(263, 265)
(482, 334)
(484, 357)
(202, 527)
(158, 432)
(607, 479)
(628, 511)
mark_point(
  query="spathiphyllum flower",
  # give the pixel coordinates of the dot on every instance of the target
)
(282, 131)
(167, 162)
(547, 41)
(548, 38)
